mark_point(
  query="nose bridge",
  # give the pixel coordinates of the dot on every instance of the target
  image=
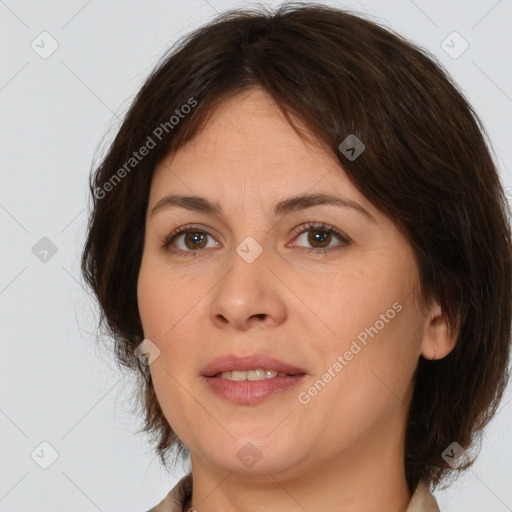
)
(247, 289)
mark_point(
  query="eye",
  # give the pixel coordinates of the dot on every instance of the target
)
(192, 238)
(320, 237)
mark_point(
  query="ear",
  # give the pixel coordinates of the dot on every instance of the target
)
(439, 338)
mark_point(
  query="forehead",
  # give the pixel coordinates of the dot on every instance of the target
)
(248, 148)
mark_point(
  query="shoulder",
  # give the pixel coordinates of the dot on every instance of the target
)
(177, 496)
(422, 500)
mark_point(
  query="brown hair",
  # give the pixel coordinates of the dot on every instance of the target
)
(426, 165)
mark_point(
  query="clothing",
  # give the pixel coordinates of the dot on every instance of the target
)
(422, 499)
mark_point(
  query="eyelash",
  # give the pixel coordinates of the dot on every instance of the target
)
(304, 228)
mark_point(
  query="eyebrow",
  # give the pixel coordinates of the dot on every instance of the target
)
(292, 204)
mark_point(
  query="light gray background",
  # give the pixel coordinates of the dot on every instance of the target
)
(56, 386)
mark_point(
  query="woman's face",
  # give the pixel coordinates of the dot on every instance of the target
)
(251, 280)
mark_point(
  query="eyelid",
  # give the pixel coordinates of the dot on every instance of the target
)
(321, 226)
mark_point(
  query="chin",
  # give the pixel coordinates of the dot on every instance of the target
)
(253, 455)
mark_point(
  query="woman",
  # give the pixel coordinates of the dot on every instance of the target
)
(301, 246)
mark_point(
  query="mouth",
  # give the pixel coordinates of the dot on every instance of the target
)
(250, 379)
(249, 367)
(251, 375)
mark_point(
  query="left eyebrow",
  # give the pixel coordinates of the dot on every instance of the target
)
(304, 201)
(300, 202)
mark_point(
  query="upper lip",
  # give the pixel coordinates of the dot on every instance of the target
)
(233, 362)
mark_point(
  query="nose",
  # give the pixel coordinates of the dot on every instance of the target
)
(248, 294)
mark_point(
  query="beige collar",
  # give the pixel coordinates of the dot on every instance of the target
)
(421, 501)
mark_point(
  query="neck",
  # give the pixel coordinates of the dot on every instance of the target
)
(369, 475)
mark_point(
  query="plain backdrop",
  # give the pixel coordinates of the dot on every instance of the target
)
(68, 72)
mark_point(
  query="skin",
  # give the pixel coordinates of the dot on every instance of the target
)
(344, 449)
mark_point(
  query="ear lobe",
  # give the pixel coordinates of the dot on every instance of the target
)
(438, 339)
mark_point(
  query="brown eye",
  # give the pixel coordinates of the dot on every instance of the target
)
(319, 238)
(195, 240)
(186, 240)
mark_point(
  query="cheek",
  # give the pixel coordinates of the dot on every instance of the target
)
(368, 304)
(153, 306)
(170, 308)
(371, 388)
(166, 301)
(375, 328)
(177, 407)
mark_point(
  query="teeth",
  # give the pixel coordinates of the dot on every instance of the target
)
(257, 374)
(251, 375)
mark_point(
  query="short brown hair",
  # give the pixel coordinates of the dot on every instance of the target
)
(426, 165)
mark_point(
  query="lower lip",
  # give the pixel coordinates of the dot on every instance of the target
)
(250, 392)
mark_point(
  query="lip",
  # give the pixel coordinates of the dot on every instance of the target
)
(250, 392)
(231, 362)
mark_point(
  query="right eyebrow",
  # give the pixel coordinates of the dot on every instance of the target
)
(194, 203)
